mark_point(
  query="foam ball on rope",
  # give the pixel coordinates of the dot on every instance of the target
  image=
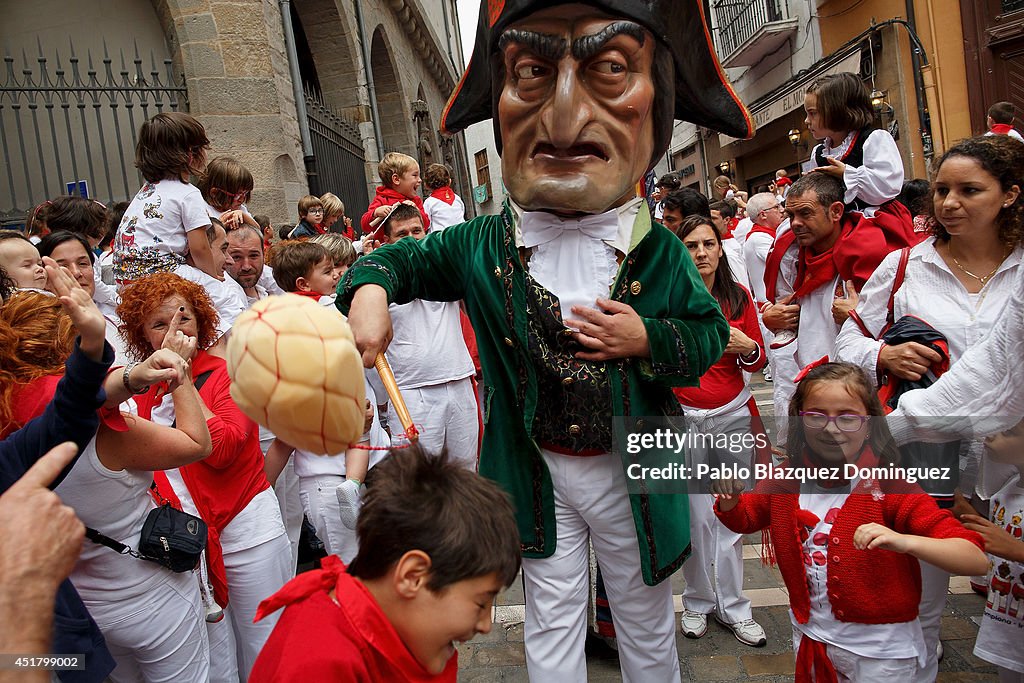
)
(295, 370)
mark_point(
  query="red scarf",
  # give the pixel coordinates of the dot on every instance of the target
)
(1001, 128)
(730, 226)
(813, 271)
(757, 227)
(445, 194)
(315, 296)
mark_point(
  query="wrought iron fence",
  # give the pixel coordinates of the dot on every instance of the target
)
(738, 20)
(340, 159)
(72, 130)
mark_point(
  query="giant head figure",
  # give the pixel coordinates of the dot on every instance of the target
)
(583, 95)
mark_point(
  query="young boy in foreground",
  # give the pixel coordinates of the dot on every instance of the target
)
(437, 544)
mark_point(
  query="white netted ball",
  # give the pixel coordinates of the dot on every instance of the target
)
(295, 370)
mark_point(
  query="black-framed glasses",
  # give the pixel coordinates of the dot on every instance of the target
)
(845, 422)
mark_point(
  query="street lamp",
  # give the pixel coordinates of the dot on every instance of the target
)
(794, 137)
(878, 102)
(724, 167)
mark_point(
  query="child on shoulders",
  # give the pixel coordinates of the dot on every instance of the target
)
(311, 216)
(400, 178)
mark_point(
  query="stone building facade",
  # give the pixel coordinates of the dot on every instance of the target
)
(382, 69)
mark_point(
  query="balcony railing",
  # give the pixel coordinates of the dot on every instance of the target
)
(742, 25)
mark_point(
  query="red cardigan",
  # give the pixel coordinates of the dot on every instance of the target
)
(864, 586)
(223, 483)
(386, 197)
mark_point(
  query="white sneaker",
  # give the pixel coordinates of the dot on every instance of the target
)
(694, 624)
(349, 500)
(748, 632)
(767, 372)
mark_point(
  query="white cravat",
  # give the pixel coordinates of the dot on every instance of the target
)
(574, 258)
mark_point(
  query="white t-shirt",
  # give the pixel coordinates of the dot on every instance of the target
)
(428, 346)
(442, 214)
(999, 638)
(152, 236)
(116, 505)
(900, 640)
(309, 464)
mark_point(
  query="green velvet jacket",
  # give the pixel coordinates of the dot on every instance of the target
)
(479, 262)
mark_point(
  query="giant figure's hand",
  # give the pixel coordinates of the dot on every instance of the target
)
(615, 331)
(370, 322)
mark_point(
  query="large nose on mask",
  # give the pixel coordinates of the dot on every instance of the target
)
(570, 108)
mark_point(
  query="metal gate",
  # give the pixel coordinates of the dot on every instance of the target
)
(339, 159)
(69, 128)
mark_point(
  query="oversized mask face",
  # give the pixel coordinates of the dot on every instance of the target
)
(576, 109)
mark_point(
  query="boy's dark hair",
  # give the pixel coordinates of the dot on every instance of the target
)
(166, 143)
(262, 220)
(75, 214)
(308, 202)
(859, 386)
(285, 230)
(463, 521)
(223, 178)
(437, 175)
(688, 202)
(293, 259)
(726, 207)
(844, 103)
(55, 239)
(401, 212)
(828, 188)
(114, 222)
(1003, 112)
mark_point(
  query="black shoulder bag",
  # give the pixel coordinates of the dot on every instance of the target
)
(170, 537)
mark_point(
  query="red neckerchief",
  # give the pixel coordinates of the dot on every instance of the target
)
(813, 271)
(730, 226)
(362, 611)
(315, 296)
(445, 194)
(1001, 128)
(757, 227)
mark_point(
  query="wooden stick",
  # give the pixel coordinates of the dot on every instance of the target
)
(387, 377)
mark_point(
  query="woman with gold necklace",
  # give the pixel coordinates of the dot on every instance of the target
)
(959, 281)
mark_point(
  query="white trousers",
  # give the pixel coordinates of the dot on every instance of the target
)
(859, 669)
(287, 490)
(714, 570)
(223, 653)
(320, 501)
(446, 416)
(254, 574)
(934, 587)
(591, 504)
(158, 636)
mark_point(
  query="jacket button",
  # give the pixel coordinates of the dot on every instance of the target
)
(634, 288)
(834, 558)
(575, 430)
(566, 381)
(640, 424)
(508, 342)
(835, 540)
(840, 613)
(497, 272)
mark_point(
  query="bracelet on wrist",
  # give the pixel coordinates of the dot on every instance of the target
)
(126, 380)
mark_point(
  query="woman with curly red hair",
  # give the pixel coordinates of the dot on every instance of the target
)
(249, 557)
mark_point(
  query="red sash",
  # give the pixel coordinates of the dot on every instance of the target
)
(445, 194)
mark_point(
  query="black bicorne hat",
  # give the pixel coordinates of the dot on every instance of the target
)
(703, 94)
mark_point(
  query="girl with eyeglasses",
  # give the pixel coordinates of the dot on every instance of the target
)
(848, 549)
